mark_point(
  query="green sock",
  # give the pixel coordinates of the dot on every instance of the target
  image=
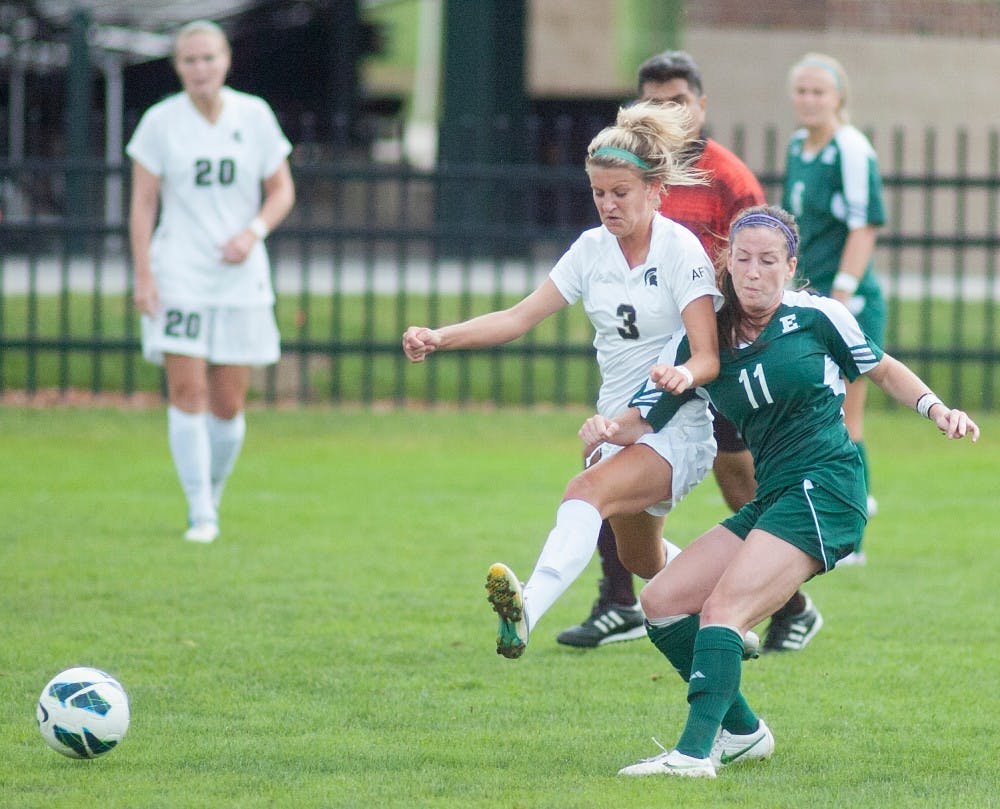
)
(676, 643)
(740, 718)
(714, 685)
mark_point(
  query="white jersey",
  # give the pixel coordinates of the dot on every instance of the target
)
(633, 310)
(210, 184)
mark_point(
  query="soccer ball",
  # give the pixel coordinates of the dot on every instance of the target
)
(83, 712)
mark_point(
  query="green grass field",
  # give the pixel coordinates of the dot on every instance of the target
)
(334, 647)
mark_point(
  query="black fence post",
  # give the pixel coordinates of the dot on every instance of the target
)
(78, 102)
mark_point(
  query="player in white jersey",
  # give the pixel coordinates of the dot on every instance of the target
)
(640, 278)
(213, 163)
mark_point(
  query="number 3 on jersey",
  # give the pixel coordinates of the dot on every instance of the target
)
(628, 330)
(758, 375)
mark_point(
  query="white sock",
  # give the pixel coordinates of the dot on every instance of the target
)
(188, 436)
(225, 438)
(565, 555)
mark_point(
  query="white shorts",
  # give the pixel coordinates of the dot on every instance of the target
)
(221, 335)
(687, 444)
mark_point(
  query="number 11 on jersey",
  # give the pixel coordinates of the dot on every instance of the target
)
(758, 374)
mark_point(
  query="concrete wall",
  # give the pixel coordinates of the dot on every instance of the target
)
(901, 81)
(909, 81)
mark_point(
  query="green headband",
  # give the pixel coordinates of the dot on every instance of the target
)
(624, 154)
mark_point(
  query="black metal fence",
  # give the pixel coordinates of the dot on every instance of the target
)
(372, 248)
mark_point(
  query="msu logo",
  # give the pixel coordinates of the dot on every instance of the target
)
(649, 277)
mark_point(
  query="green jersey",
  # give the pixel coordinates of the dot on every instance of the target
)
(784, 392)
(831, 193)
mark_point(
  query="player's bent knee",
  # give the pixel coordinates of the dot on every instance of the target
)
(643, 562)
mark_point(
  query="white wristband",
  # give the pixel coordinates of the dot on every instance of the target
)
(259, 228)
(926, 402)
(686, 373)
(845, 282)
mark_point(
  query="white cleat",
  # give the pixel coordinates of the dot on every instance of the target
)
(730, 748)
(503, 591)
(204, 532)
(671, 762)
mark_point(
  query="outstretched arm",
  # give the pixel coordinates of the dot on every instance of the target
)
(486, 330)
(909, 389)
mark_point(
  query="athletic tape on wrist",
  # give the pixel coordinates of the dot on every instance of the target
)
(926, 402)
(845, 282)
(259, 228)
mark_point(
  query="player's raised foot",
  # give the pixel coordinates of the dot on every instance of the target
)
(202, 532)
(503, 591)
(731, 748)
(791, 633)
(671, 762)
(751, 645)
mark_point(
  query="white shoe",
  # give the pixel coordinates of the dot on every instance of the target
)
(751, 645)
(730, 748)
(503, 591)
(872, 506)
(672, 763)
(202, 532)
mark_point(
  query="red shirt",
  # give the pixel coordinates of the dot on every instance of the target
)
(707, 210)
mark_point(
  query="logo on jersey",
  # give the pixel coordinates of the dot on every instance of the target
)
(788, 323)
(698, 273)
(237, 136)
(649, 277)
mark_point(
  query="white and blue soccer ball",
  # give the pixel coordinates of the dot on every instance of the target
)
(83, 712)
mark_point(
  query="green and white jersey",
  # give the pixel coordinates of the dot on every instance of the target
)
(210, 188)
(784, 392)
(831, 193)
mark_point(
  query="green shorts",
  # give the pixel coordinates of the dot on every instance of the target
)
(814, 518)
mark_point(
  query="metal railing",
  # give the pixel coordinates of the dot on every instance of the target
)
(372, 248)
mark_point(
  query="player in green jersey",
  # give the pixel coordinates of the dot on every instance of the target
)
(784, 359)
(833, 188)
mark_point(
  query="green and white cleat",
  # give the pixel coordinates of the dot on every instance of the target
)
(729, 748)
(671, 762)
(504, 593)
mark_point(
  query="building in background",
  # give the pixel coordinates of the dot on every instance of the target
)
(915, 64)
